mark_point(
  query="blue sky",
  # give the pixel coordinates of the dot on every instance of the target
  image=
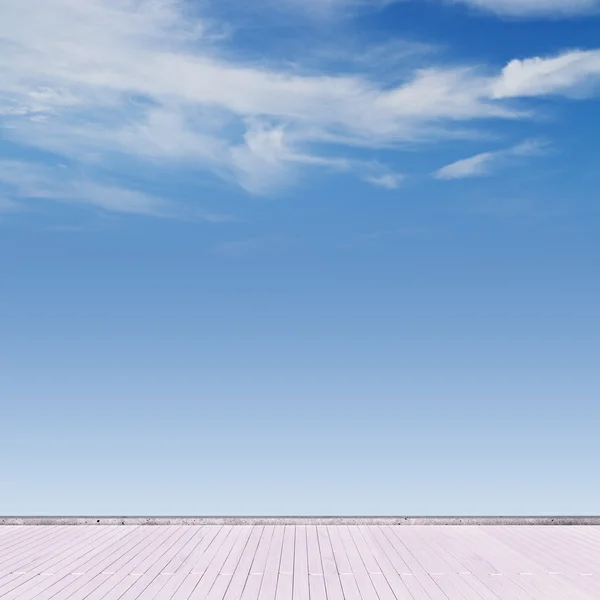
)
(299, 257)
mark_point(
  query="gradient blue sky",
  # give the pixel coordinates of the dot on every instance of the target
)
(299, 257)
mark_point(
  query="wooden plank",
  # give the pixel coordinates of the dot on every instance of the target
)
(579, 540)
(43, 552)
(125, 536)
(390, 552)
(348, 582)
(521, 568)
(70, 586)
(180, 580)
(315, 566)
(268, 588)
(18, 570)
(286, 566)
(19, 554)
(237, 551)
(541, 556)
(219, 588)
(364, 550)
(235, 540)
(242, 570)
(349, 586)
(262, 552)
(37, 585)
(189, 574)
(458, 568)
(357, 547)
(13, 535)
(590, 535)
(361, 575)
(121, 574)
(395, 581)
(474, 564)
(226, 534)
(8, 531)
(430, 585)
(339, 552)
(333, 584)
(51, 561)
(36, 536)
(252, 587)
(415, 538)
(184, 584)
(583, 551)
(301, 582)
(317, 590)
(285, 586)
(187, 557)
(61, 565)
(151, 578)
(499, 576)
(418, 587)
(571, 555)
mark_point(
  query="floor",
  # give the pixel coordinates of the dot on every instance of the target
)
(298, 562)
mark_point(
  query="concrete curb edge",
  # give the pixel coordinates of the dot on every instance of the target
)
(405, 521)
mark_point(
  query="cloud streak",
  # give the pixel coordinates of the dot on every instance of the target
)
(512, 8)
(389, 181)
(468, 167)
(29, 181)
(487, 163)
(533, 8)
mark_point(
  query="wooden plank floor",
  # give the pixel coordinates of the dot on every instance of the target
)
(299, 562)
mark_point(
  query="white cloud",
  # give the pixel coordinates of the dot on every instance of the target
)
(389, 181)
(570, 72)
(529, 148)
(468, 167)
(35, 181)
(487, 162)
(327, 8)
(98, 80)
(538, 8)
(514, 8)
(30, 181)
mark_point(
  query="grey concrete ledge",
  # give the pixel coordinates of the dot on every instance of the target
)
(406, 521)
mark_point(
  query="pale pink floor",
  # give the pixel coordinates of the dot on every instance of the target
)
(298, 562)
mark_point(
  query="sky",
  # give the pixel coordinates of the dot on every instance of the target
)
(299, 257)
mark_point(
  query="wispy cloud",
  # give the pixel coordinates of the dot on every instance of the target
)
(328, 8)
(29, 181)
(488, 162)
(536, 8)
(102, 80)
(34, 181)
(389, 181)
(514, 8)
(467, 167)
